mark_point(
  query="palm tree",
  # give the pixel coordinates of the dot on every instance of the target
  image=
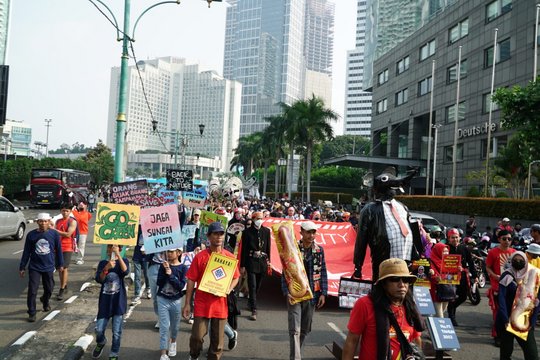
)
(273, 140)
(245, 151)
(310, 124)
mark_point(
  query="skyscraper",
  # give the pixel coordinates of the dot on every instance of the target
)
(358, 102)
(181, 97)
(4, 25)
(267, 43)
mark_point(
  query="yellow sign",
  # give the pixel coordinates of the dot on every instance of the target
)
(218, 275)
(116, 224)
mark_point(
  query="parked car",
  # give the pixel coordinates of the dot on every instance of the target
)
(12, 221)
(428, 221)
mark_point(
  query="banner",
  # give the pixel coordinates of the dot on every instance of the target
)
(161, 229)
(116, 224)
(133, 192)
(338, 240)
(167, 196)
(195, 198)
(208, 217)
(450, 273)
(218, 275)
(180, 180)
(188, 232)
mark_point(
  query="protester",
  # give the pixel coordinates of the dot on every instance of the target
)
(194, 242)
(154, 262)
(255, 258)
(495, 261)
(470, 225)
(66, 227)
(505, 225)
(140, 269)
(91, 201)
(535, 233)
(519, 300)
(390, 304)
(42, 253)
(83, 217)
(440, 293)
(112, 303)
(301, 314)
(171, 280)
(208, 309)
(533, 254)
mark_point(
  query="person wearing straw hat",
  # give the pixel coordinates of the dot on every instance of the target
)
(378, 321)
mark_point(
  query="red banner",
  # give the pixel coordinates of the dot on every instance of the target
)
(338, 240)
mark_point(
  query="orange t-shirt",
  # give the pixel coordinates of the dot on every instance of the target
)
(82, 217)
(66, 242)
(205, 304)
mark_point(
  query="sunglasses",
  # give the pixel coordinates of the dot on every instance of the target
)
(396, 279)
(506, 239)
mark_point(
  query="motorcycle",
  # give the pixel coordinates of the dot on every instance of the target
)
(473, 292)
(479, 260)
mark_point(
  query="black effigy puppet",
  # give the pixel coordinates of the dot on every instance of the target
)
(385, 225)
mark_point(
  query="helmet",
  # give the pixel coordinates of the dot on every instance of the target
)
(485, 238)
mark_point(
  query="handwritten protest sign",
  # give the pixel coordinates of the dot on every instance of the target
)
(180, 180)
(167, 196)
(116, 224)
(129, 192)
(218, 275)
(161, 229)
(206, 219)
(188, 232)
(194, 199)
(450, 273)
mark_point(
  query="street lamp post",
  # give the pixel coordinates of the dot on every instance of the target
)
(529, 185)
(436, 128)
(47, 125)
(177, 134)
(122, 92)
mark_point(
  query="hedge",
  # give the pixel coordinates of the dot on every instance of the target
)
(316, 196)
(489, 207)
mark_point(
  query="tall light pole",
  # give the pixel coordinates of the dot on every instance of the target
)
(456, 119)
(47, 125)
(122, 91)
(430, 126)
(177, 134)
(436, 128)
(488, 146)
(529, 185)
(536, 42)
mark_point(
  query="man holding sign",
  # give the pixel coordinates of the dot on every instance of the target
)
(208, 308)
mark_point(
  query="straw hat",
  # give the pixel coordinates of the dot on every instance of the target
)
(394, 267)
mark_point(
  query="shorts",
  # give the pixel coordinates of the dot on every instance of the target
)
(67, 258)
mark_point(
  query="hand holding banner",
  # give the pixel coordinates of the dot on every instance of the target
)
(161, 229)
(218, 275)
(116, 224)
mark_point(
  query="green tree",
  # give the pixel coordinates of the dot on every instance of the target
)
(245, 154)
(345, 144)
(274, 141)
(99, 162)
(338, 176)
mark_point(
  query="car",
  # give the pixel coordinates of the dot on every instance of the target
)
(428, 221)
(12, 221)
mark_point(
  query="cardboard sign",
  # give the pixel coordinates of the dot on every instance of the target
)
(420, 268)
(206, 219)
(168, 196)
(116, 224)
(450, 273)
(188, 232)
(180, 180)
(350, 290)
(422, 298)
(129, 192)
(161, 229)
(442, 333)
(194, 199)
(218, 275)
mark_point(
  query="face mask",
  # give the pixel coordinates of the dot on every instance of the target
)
(258, 223)
(316, 218)
(518, 264)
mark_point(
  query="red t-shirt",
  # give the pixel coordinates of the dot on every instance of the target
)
(205, 304)
(67, 242)
(82, 217)
(362, 322)
(495, 261)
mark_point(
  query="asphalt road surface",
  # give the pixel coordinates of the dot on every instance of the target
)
(266, 338)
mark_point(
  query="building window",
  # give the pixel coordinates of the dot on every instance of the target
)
(402, 65)
(458, 31)
(424, 86)
(497, 8)
(382, 106)
(503, 53)
(486, 102)
(451, 114)
(427, 50)
(383, 76)
(402, 97)
(451, 72)
(496, 145)
(449, 153)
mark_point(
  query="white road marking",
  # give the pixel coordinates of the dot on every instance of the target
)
(85, 285)
(71, 299)
(23, 339)
(51, 315)
(16, 252)
(84, 341)
(338, 330)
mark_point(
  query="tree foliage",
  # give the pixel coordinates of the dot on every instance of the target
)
(338, 176)
(345, 144)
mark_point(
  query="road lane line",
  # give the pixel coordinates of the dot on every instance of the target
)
(71, 299)
(16, 252)
(84, 341)
(338, 330)
(51, 315)
(23, 339)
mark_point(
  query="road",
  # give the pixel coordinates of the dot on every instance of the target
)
(266, 338)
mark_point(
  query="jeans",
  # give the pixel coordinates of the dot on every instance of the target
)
(254, 284)
(81, 244)
(101, 325)
(300, 319)
(529, 347)
(199, 330)
(152, 280)
(169, 318)
(140, 266)
(47, 278)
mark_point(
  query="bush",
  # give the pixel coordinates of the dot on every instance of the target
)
(474, 192)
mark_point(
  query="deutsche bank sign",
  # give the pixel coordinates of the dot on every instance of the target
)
(476, 130)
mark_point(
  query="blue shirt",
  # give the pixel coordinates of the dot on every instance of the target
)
(170, 286)
(112, 296)
(43, 250)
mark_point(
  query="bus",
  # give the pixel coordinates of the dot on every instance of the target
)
(59, 187)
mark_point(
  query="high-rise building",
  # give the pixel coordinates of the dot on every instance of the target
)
(280, 50)
(181, 97)
(16, 138)
(4, 27)
(357, 101)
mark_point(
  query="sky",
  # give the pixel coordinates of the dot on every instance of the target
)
(61, 52)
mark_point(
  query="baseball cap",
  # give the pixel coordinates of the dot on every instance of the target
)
(535, 227)
(308, 226)
(44, 216)
(394, 267)
(534, 249)
(215, 227)
(506, 219)
(197, 212)
(452, 232)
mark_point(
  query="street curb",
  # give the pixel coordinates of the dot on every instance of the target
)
(79, 348)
